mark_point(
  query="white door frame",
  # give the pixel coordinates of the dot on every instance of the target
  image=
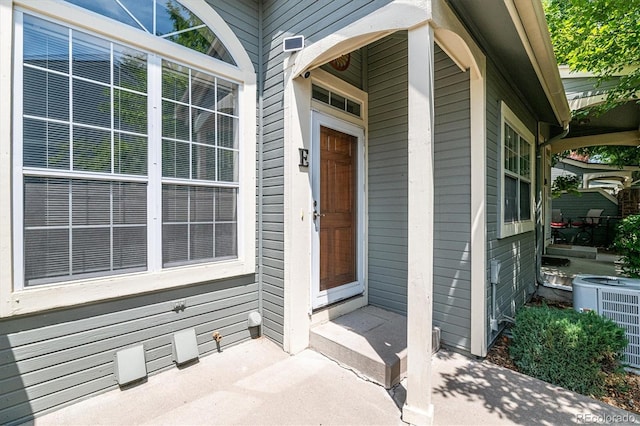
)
(326, 297)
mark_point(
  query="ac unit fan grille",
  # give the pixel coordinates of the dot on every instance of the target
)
(624, 309)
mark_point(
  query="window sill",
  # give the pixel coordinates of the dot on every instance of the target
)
(511, 229)
(100, 289)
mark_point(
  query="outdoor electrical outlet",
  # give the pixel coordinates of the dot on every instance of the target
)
(494, 324)
(217, 336)
(179, 305)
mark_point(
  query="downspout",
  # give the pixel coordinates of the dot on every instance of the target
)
(540, 182)
(260, 81)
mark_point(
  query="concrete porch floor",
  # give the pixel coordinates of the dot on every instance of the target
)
(257, 383)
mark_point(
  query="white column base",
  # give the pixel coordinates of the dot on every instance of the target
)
(417, 416)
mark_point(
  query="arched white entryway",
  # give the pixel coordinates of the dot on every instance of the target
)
(427, 23)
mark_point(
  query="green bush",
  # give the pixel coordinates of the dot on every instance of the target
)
(567, 348)
(627, 242)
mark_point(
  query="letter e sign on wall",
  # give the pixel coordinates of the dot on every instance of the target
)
(304, 157)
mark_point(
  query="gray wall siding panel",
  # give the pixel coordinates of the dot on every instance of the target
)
(387, 173)
(54, 358)
(573, 206)
(452, 228)
(517, 253)
(353, 74)
(242, 18)
(314, 20)
(583, 87)
(387, 180)
(51, 359)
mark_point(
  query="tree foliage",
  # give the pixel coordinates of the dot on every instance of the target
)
(602, 37)
(615, 155)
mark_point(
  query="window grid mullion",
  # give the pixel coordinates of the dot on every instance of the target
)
(190, 129)
(154, 17)
(111, 242)
(71, 147)
(154, 149)
(191, 154)
(70, 99)
(215, 216)
(70, 219)
(112, 108)
(217, 144)
(189, 223)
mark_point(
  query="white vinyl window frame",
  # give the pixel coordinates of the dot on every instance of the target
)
(15, 298)
(507, 229)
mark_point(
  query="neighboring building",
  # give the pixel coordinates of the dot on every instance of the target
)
(609, 188)
(595, 175)
(165, 166)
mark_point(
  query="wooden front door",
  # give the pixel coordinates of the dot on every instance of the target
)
(337, 208)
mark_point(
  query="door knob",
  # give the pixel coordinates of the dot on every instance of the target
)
(317, 215)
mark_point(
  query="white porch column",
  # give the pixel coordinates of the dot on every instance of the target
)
(418, 408)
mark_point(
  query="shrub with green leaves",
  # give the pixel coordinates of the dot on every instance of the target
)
(627, 242)
(567, 348)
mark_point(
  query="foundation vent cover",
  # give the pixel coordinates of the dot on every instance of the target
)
(130, 365)
(185, 346)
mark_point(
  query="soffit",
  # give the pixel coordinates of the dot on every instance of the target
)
(490, 24)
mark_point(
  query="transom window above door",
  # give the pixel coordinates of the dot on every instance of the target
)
(336, 100)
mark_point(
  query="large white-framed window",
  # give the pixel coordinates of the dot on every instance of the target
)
(516, 175)
(132, 166)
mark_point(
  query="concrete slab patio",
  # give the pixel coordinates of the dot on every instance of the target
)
(257, 383)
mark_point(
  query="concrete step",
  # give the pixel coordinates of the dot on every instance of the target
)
(558, 279)
(370, 341)
(582, 252)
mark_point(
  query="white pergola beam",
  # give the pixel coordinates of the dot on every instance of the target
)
(629, 138)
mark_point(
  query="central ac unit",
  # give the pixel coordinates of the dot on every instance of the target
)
(616, 298)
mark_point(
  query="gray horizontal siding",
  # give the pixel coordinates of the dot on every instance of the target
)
(573, 207)
(387, 169)
(272, 256)
(452, 227)
(353, 74)
(517, 253)
(52, 359)
(314, 20)
(576, 88)
(55, 358)
(242, 18)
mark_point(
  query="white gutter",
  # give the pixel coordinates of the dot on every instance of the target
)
(529, 20)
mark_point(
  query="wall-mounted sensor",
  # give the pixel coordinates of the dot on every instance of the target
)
(292, 44)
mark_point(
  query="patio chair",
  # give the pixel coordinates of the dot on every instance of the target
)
(592, 219)
(587, 225)
(558, 223)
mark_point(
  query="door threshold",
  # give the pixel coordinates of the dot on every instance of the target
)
(337, 309)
